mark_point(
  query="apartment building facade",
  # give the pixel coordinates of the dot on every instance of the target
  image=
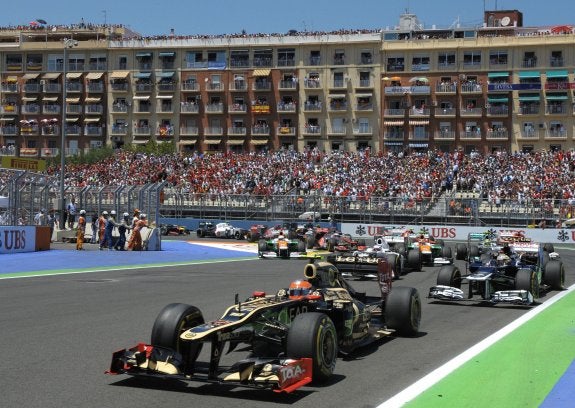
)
(496, 87)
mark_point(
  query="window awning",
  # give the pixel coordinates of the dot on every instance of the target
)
(188, 142)
(119, 74)
(91, 120)
(30, 76)
(556, 97)
(69, 119)
(29, 98)
(529, 97)
(261, 72)
(418, 145)
(92, 100)
(393, 123)
(141, 75)
(259, 141)
(500, 99)
(337, 96)
(143, 54)
(51, 75)
(141, 97)
(169, 74)
(72, 100)
(139, 141)
(12, 78)
(529, 74)
(235, 142)
(213, 141)
(164, 96)
(497, 74)
(418, 122)
(365, 95)
(393, 143)
(94, 75)
(50, 98)
(167, 54)
(557, 74)
(73, 75)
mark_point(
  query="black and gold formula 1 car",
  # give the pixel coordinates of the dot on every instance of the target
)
(288, 339)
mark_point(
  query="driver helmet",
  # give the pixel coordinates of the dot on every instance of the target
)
(503, 260)
(281, 237)
(299, 289)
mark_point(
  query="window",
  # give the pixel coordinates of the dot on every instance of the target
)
(420, 63)
(239, 58)
(395, 64)
(195, 59)
(216, 59)
(263, 57)
(14, 62)
(445, 59)
(472, 58)
(314, 57)
(123, 62)
(498, 57)
(286, 57)
(366, 57)
(98, 62)
(339, 57)
(556, 59)
(34, 62)
(529, 59)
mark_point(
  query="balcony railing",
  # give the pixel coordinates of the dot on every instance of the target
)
(311, 130)
(214, 131)
(312, 106)
(96, 87)
(364, 106)
(262, 86)
(362, 130)
(444, 134)
(260, 130)
(471, 88)
(238, 85)
(499, 134)
(30, 109)
(74, 87)
(52, 88)
(32, 88)
(119, 86)
(144, 87)
(287, 84)
(498, 110)
(8, 130)
(445, 88)
(312, 83)
(338, 106)
(419, 136)
(286, 107)
(419, 112)
(238, 108)
(166, 87)
(119, 130)
(468, 112)
(94, 109)
(556, 134)
(529, 63)
(74, 109)
(338, 83)
(93, 131)
(215, 87)
(10, 88)
(445, 112)
(9, 109)
(51, 109)
(119, 108)
(142, 131)
(529, 109)
(187, 107)
(237, 131)
(73, 130)
(556, 62)
(470, 134)
(365, 83)
(215, 108)
(189, 131)
(555, 109)
(394, 136)
(394, 112)
(337, 130)
(190, 86)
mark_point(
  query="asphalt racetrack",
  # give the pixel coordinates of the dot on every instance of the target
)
(59, 330)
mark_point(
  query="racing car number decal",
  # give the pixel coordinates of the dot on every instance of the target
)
(354, 259)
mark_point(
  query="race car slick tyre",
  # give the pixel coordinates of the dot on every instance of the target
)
(548, 247)
(403, 310)
(172, 321)
(310, 241)
(460, 252)
(473, 251)
(395, 263)
(526, 279)
(164, 231)
(414, 259)
(262, 245)
(554, 275)
(446, 252)
(200, 233)
(313, 335)
(400, 248)
(302, 247)
(449, 275)
(331, 244)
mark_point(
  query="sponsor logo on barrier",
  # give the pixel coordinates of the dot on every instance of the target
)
(17, 239)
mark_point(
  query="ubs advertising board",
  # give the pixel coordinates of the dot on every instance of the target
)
(17, 239)
(460, 233)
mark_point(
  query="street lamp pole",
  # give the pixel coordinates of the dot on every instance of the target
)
(68, 43)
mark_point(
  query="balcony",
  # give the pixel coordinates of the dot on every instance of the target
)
(529, 133)
(73, 130)
(556, 62)
(9, 109)
(314, 61)
(529, 109)
(556, 109)
(312, 106)
(365, 84)
(52, 88)
(30, 130)
(338, 106)
(419, 136)
(119, 130)
(49, 152)
(165, 107)
(215, 87)
(337, 131)
(261, 109)
(313, 83)
(497, 134)
(444, 134)
(289, 107)
(119, 86)
(286, 62)
(263, 62)
(287, 85)
(556, 133)
(339, 60)
(9, 88)
(95, 87)
(8, 130)
(362, 130)
(74, 109)
(419, 112)
(395, 67)
(495, 110)
(394, 113)
(311, 130)
(394, 136)
(470, 135)
(94, 109)
(364, 106)
(238, 108)
(446, 89)
(189, 131)
(471, 112)
(529, 63)
(285, 131)
(338, 84)
(445, 112)
(237, 131)
(214, 131)
(238, 85)
(145, 87)
(471, 88)
(30, 109)
(259, 130)
(190, 86)
(167, 86)
(188, 107)
(32, 88)
(446, 66)
(142, 131)
(215, 108)
(51, 109)
(262, 86)
(93, 131)
(74, 87)
(143, 108)
(119, 108)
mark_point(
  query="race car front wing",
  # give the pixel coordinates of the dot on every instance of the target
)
(278, 374)
(516, 296)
